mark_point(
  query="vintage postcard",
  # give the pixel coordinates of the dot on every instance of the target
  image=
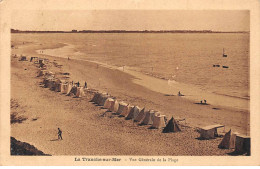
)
(129, 82)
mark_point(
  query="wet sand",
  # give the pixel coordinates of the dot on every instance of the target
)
(87, 133)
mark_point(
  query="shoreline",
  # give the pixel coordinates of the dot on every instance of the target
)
(163, 86)
(87, 133)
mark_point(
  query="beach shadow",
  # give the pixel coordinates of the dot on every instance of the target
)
(200, 138)
(54, 140)
(235, 153)
(17, 119)
(169, 95)
(141, 124)
(202, 103)
(34, 119)
(216, 108)
(152, 128)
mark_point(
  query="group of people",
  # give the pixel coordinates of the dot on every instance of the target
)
(78, 84)
(201, 102)
(205, 102)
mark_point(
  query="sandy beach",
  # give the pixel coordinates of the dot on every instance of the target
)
(87, 132)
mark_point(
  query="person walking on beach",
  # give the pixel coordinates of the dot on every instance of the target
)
(59, 134)
(205, 101)
(85, 84)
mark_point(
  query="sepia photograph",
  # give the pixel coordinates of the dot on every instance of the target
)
(137, 83)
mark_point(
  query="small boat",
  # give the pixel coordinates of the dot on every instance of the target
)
(224, 55)
(225, 66)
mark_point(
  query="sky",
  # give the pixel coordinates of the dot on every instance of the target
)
(65, 20)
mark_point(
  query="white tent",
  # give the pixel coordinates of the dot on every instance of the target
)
(209, 132)
(114, 106)
(80, 92)
(108, 103)
(140, 116)
(64, 87)
(228, 141)
(126, 110)
(121, 107)
(159, 122)
(148, 119)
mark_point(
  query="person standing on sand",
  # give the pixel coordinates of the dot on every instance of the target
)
(205, 101)
(59, 134)
(85, 84)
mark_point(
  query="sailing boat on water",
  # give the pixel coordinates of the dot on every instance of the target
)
(224, 55)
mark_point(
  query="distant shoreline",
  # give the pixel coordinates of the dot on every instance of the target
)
(125, 31)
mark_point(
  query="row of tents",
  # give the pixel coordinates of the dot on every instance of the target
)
(142, 116)
(60, 84)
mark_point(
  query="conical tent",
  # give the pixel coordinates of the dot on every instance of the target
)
(133, 113)
(172, 126)
(108, 103)
(159, 122)
(72, 91)
(148, 119)
(228, 141)
(126, 110)
(69, 87)
(140, 116)
(114, 106)
(121, 107)
(80, 92)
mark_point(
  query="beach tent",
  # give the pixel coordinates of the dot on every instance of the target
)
(158, 122)
(242, 144)
(149, 116)
(103, 99)
(171, 126)
(73, 91)
(41, 73)
(228, 141)
(69, 88)
(64, 87)
(51, 84)
(58, 87)
(121, 107)
(140, 116)
(114, 106)
(133, 113)
(80, 92)
(22, 58)
(210, 132)
(94, 99)
(126, 110)
(108, 103)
